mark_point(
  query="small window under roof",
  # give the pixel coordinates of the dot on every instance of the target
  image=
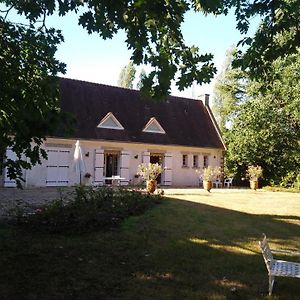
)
(153, 126)
(110, 122)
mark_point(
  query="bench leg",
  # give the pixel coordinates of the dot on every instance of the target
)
(271, 283)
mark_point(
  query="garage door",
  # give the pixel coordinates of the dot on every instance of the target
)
(58, 167)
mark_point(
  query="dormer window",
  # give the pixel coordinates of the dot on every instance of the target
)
(110, 122)
(153, 126)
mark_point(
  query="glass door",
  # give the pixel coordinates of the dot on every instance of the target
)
(111, 165)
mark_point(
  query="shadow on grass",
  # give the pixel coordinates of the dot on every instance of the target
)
(177, 250)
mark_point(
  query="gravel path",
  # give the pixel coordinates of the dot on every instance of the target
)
(9, 197)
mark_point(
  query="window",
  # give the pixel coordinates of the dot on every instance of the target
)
(153, 126)
(184, 160)
(205, 161)
(110, 122)
(195, 161)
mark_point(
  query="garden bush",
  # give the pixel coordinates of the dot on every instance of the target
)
(85, 209)
(288, 180)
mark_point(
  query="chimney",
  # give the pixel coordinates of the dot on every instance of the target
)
(206, 99)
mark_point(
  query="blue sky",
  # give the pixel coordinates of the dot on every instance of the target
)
(90, 58)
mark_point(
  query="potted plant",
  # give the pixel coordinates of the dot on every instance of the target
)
(208, 175)
(150, 172)
(254, 173)
(87, 175)
(86, 178)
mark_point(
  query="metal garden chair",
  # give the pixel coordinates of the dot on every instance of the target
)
(278, 268)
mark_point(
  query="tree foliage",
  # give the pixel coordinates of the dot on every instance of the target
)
(229, 92)
(29, 92)
(265, 129)
(127, 76)
(277, 35)
(154, 34)
(142, 77)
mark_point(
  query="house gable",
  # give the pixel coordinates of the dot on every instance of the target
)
(153, 126)
(110, 122)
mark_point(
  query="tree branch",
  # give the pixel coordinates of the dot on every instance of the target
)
(7, 11)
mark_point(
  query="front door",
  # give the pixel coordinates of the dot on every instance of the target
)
(157, 159)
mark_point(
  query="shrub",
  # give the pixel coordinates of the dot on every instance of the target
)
(254, 172)
(297, 182)
(150, 171)
(291, 180)
(86, 209)
(209, 173)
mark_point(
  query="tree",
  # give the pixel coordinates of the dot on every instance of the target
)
(142, 77)
(29, 92)
(229, 92)
(265, 129)
(127, 76)
(153, 30)
(278, 34)
(154, 35)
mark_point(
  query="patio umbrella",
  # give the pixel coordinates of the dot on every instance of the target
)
(78, 161)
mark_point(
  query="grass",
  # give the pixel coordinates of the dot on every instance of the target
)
(192, 246)
(282, 189)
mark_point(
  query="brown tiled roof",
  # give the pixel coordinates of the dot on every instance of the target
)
(185, 121)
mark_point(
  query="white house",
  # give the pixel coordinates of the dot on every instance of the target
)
(118, 129)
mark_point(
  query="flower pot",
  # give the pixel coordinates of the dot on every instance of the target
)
(86, 181)
(207, 185)
(254, 184)
(151, 186)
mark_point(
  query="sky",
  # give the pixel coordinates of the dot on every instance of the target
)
(90, 58)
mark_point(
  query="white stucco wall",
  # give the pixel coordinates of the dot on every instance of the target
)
(181, 176)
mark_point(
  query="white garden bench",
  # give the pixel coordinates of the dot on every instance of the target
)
(280, 268)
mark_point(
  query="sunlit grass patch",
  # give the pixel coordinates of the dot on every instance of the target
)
(232, 248)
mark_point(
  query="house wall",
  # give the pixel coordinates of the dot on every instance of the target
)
(181, 176)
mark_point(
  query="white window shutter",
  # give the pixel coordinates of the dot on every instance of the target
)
(168, 165)
(99, 167)
(146, 157)
(124, 167)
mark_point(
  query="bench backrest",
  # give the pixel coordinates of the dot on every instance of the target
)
(266, 252)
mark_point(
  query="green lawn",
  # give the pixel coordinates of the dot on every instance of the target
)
(203, 248)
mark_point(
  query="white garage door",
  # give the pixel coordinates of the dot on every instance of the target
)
(58, 166)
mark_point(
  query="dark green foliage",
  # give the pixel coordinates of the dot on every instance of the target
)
(142, 76)
(29, 92)
(291, 180)
(87, 209)
(154, 35)
(263, 120)
(277, 36)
